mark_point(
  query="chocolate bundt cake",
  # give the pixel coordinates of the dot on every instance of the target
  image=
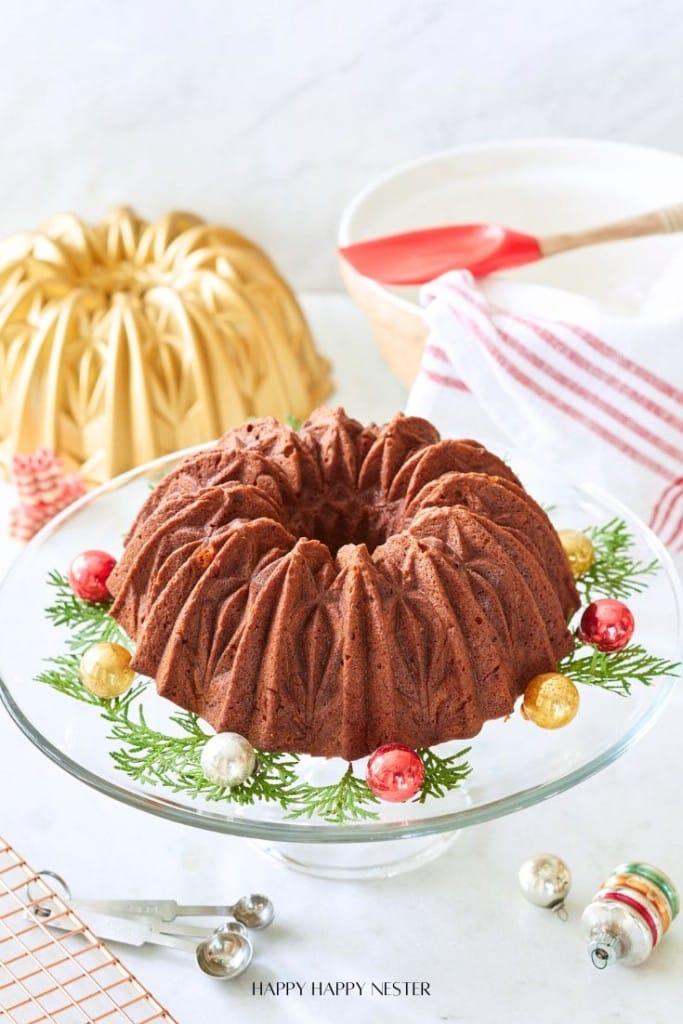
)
(334, 589)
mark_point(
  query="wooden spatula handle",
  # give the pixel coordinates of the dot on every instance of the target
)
(656, 222)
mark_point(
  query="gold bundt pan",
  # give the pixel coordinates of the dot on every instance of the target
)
(125, 340)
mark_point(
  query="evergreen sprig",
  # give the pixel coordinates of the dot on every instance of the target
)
(614, 572)
(615, 671)
(63, 675)
(346, 800)
(442, 774)
(156, 758)
(149, 756)
(87, 622)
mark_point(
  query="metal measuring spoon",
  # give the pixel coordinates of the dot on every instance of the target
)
(254, 911)
(235, 926)
(226, 953)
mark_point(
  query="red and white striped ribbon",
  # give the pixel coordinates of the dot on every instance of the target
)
(552, 386)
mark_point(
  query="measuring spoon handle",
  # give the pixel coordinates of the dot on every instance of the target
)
(130, 931)
(203, 910)
(165, 910)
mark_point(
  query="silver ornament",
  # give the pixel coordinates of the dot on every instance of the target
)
(228, 759)
(545, 880)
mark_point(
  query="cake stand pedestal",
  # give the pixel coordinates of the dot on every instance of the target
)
(358, 860)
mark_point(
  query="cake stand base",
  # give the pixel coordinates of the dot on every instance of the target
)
(358, 860)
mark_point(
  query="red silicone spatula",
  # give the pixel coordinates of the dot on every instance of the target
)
(414, 257)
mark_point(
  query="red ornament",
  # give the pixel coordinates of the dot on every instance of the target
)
(395, 773)
(88, 575)
(606, 623)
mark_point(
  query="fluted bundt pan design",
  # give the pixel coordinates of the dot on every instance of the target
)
(330, 590)
(126, 340)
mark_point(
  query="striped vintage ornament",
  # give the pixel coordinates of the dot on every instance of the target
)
(630, 914)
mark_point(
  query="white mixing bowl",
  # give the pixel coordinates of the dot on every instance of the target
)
(539, 186)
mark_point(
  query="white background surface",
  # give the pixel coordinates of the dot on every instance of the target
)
(271, 114)
(459, 924)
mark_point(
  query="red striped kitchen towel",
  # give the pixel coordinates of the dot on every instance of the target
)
(557, 377)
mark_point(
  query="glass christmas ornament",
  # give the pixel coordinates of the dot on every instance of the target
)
(629, 915)
(105, 670)
(607, 623)
(228, 759)
(395, 773)
(545, 881)
(88, 575)
(579, 551)
(550, 701)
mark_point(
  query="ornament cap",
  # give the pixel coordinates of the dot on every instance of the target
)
(604, 949)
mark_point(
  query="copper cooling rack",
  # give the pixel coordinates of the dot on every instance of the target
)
(69, 979)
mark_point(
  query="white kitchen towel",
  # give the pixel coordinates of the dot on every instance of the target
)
(557, 377)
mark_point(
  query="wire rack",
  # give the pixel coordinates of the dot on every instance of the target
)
(72, 979)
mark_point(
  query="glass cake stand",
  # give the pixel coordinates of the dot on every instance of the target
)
(514, 764)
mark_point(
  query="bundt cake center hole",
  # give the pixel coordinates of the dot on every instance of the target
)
(126, 278)
(336, 523)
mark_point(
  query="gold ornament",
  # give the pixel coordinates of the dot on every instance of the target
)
(550, 701)
(578, 549)
(105, 670)
(125, 340)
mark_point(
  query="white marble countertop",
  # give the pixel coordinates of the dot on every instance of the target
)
(458, 925)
